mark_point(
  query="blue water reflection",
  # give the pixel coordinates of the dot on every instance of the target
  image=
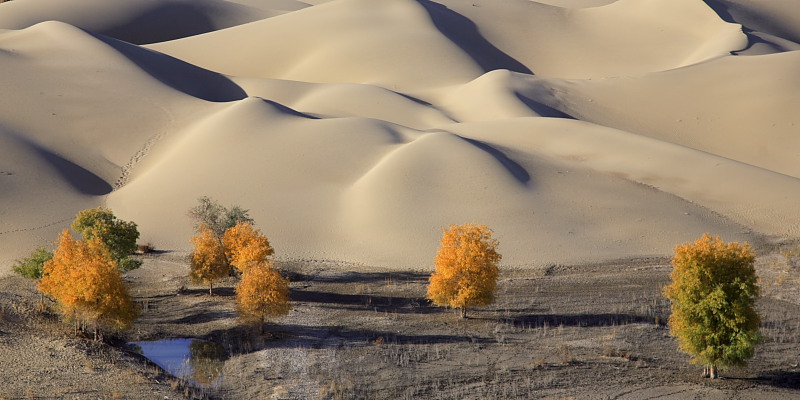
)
(194, 360)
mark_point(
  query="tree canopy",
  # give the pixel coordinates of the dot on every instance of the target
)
(713, 293)
(262, 293)
(245, 245)
(208, 260)
(466, 268)
(84, 280)
(118, 235)
(212, 214)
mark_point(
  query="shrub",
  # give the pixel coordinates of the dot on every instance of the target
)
(32, 266)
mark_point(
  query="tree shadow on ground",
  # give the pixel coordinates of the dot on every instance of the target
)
(578, 320)
(204, 316)
(781, 379)
(361, 277)
(244, 339)
(366, 302)
(218, 292)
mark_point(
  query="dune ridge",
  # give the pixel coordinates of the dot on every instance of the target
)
(354, 130)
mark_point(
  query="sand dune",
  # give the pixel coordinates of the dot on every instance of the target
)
(355, 129)
(143, 21)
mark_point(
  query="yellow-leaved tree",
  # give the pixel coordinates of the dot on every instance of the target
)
(713, 293)
(245, 245)
(85, 281)
(262, 293)
(466, 268)
(208, 260)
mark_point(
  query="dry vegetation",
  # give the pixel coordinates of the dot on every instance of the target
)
(582, 331)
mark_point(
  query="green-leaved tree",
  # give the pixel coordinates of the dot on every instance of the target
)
(713, 293)
(210, 213)
(118, 235)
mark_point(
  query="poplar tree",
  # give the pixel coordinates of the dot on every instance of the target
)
(214, 215)
(118, 235)
(713, 292)
(466, 268)
(262, 293)
(84, 280)
(208, 260)
(245, 245)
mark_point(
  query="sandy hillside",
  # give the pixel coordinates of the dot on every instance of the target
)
(354, 130)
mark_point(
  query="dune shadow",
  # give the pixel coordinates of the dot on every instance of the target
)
(288, 110)
(516, 170)
(178, 74)
(169, 21)
(577, 320)
(753, 33)
(543, 109)
(722, 11)
(78, 177)
(464, 33)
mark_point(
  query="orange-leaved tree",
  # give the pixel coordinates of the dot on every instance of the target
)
(209, 262)
(262, 293)
(245, 245)
(466, 268)
(85, 281)
(713, 293)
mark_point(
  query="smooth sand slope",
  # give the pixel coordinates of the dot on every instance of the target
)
(355, 129)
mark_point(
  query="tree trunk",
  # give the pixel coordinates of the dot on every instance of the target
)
(464, 312)
(706, 373)
(210, 288)
(713, 371)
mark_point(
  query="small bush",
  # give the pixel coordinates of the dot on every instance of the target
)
(32, 266)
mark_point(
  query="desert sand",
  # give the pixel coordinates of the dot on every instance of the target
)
(354, 130)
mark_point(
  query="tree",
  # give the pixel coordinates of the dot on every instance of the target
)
(84, 280)
(213, 215)
(32, 266)
(262, 293)
(245, 245)
(466, 268)
(208, 258)
(120, 236)
(713, 293)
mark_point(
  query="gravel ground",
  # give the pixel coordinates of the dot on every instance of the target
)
(582, 331)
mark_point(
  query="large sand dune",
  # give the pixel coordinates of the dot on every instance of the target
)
(355, 129)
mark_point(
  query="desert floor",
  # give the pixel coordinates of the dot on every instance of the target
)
(562, 331)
